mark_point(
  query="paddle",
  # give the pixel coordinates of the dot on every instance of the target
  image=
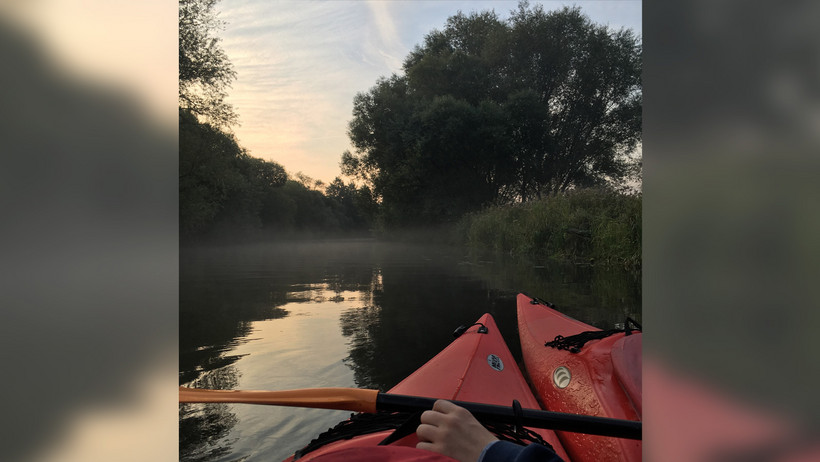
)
(360, 400)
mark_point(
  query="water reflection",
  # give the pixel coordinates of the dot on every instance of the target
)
(411, 319)
(360, 325)
(201, 427)
(217, 307)
(351, 313)
(598, 295)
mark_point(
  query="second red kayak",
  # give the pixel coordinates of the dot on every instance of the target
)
(583, 371)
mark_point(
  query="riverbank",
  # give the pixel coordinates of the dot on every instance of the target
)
(589, 226)
(584, 226)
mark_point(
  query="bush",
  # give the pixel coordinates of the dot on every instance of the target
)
(580, 225)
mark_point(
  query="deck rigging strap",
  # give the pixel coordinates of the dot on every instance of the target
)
(364, 424)
(356, 425)
(574, 343)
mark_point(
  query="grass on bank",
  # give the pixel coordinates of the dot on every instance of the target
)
(586, 225)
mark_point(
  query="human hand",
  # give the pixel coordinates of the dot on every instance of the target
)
(451, 430)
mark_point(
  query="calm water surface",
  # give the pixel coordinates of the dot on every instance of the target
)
(354, 313)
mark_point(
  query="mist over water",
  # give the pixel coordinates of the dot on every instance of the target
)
(346, 313)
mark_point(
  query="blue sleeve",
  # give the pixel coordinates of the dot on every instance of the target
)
(504, 451)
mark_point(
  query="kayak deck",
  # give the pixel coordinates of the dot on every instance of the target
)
(476, 367)
(602, 379)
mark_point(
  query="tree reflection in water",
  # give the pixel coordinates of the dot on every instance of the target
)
(203, 427)
(413, 310)
(411, 318)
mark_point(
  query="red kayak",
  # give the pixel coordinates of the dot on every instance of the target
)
(476, 367)
(584, 371)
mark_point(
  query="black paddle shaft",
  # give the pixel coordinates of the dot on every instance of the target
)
(590, 425)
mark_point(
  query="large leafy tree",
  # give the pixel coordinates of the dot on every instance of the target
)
(490, 110)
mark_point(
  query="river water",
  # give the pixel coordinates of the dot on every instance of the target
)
(347, 313)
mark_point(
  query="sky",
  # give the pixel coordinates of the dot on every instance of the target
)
(299, 65)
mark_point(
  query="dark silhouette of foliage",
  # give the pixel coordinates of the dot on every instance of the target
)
(225, 192)
(355, 206)
(220, 184)
(205, 72)
(297, 208)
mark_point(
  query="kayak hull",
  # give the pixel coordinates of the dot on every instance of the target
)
(601, 380)
(476, 367)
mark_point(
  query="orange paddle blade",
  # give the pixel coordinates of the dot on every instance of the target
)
(346, 399)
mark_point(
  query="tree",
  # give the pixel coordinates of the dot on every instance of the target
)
(223, 190)
(588, 79)
(205, 72)
(492, 111)
(207, 173)
(354, 206)
(220, 184)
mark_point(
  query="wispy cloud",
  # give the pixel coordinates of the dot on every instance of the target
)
(389, 45)
(299, 65)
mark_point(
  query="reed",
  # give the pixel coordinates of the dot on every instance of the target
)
(587, 225)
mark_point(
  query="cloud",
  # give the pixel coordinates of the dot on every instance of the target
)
(389, 45)
(299, 66)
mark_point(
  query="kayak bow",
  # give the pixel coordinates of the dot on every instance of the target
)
(578, 369)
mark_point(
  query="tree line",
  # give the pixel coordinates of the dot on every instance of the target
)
(224, 190)
(485, 112)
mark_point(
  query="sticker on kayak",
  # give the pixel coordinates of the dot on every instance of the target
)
(495, 362)
(561, 377)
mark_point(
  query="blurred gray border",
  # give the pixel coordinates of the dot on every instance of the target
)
(88, 244)
(731, 203)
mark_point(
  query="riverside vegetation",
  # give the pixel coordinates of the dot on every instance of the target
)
(506, 134)
(588, 225)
